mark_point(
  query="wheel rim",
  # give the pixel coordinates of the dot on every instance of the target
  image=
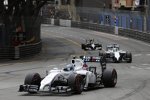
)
(36, 80)
(114, 78)
(79, 84)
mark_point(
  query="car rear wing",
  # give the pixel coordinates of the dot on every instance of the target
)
(90, 58)
(99, 59)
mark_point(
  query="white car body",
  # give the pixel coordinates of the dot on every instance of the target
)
(73, 78)
(78, 68)
(115, 52)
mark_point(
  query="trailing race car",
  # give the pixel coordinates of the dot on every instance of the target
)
(114, 54)
(91, 45)
(72, 79)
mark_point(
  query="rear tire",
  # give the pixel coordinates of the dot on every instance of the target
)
(109, 78)
(32, 79)
(129, 56)
(101, 54)
(83, 46)
(99, 46)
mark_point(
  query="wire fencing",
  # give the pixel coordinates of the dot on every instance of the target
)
(126, 19)
(135, 20)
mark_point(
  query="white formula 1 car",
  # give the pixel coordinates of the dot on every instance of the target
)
(91, 45)
(73, 78)
(56, 81)
(114, 54)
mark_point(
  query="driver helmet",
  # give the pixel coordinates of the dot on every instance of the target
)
(70, 67)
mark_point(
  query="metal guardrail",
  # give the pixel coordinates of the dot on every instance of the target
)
(135, 34)
(93, 26)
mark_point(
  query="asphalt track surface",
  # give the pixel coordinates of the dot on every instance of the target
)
(59, 44)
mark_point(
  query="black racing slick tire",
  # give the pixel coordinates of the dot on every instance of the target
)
(83, 46)
(32, 79)
(76, 82)
(109, 77)
(129, 56)
(101, 54)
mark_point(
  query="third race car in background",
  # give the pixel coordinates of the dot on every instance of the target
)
(113, 53)
(91, 45)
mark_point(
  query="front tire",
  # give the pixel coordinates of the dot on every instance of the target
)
(83, 46)
(76, 82)
(32, 79)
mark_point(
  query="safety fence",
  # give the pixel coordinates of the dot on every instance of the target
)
(135, 20)
(20, 51)
(126, 19)
(93, 26)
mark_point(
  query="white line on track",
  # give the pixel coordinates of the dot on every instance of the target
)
(148, 54)
(74, 42)
(1, 65)
(141, 42)
(115, 37)
(55, 65)
(72, 36)
(136, 55)
(142, 66)
(135, 67)
(63, 64)
(145, 64)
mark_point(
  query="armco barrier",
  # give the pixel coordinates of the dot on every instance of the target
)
(93, 26)
(135, 34)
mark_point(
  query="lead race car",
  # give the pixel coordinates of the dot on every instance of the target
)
(91, 45)
(114, 54)
(56, 81)
(72, 79)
